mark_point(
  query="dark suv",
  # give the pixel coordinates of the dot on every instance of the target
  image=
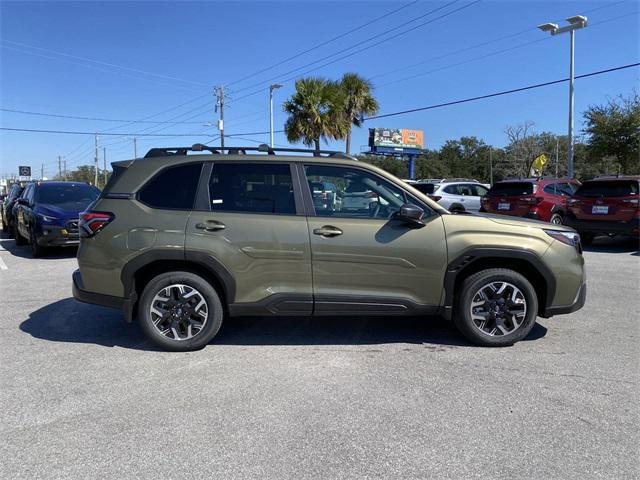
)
(6, 207)
(609, 205)
(538, 198)
(182, 240)
(47, 214)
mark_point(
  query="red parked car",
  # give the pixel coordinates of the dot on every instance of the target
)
(608, 205)
(538, 198)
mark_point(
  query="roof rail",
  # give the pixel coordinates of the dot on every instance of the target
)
(199, 147)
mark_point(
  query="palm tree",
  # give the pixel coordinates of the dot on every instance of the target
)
(314, 112)
(357, 101)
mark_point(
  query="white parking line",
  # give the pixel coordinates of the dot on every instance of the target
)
(3, 266)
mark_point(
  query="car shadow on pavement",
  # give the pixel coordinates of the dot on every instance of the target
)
(604, 244)
(24, 251)
(71, 321)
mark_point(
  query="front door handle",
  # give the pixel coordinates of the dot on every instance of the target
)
(211, 226)
(327, 231)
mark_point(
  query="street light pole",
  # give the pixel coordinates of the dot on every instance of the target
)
(272, 87)
(575, 22)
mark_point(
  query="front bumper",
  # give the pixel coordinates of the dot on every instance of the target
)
(84, 296)
(564, 309)
(604, 226)
(55, 236)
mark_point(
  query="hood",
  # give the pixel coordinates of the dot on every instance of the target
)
(58, 212)
(523, 222)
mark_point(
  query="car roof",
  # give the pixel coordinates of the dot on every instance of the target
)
(536, 180)
(613, 178)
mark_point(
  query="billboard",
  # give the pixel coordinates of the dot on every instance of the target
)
(395, 138)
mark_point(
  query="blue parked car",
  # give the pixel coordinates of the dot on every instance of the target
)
(46, 214)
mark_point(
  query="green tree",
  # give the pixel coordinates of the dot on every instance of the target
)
(85, 173)
(314, 112)
(613, 130)
(356, 101)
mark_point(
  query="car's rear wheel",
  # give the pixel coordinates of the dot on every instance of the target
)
(180, 311)
(20, 240)
(556, 219)
(496, 307)
(586, 238)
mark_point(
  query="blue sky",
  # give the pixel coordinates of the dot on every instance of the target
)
(175, 52)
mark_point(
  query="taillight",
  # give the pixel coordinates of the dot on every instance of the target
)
(573, 202)
(92, 222)
(531, 200)
(484, 200)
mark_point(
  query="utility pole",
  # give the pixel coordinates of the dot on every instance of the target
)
(65, 170)
(135, 147)
(219, 93)
(95, 167)
(576, 22)
(273, 87)
(557, 151)
(104, 158)
(490, 165)
(59, 166)
(42, 172)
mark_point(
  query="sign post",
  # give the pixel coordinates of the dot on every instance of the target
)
(397, 142)
(24, 172)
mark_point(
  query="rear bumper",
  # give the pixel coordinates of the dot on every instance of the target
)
(604, 226)
(84, 296)
(564, 309)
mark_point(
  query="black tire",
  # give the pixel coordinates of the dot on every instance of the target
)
(556, 219)
(5, 227)
(36, 250)
(9, 230)
(470, 286)
(456, 207)
(214, 306)
(20, 240)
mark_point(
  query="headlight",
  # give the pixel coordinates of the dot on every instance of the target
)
(47, 218)
(568, 238)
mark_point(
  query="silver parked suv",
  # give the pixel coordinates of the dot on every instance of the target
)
(454, 194)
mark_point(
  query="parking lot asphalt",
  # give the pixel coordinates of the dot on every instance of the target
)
(85, 396)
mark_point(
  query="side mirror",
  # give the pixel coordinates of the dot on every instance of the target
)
(411, 214)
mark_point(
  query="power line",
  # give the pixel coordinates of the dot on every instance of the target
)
(404, 32)
(97, 119)
(326, 42)
(360, 50)
(70, 132)
(504, 92)
(99, 62)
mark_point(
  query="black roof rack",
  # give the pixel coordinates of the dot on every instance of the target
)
(199, 147)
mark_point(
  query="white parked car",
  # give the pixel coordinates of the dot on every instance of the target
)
(456, 195)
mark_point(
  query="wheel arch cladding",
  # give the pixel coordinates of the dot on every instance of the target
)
(137, 273)
(521, 261)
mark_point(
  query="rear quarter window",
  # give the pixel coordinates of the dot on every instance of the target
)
(427, 188)
(614, 188)
(173, 188)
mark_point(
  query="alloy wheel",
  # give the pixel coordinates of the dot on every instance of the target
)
(498, 308)
(179, 312)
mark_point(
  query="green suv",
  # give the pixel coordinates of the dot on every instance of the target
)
(185, 237)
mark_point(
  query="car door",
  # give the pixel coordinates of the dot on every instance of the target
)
(250, 220)
(24, 210)
(366, 261)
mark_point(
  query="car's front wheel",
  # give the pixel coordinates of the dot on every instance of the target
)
(496, 307)
(180, 311)
(36, 249)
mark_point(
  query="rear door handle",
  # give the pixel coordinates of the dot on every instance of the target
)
(211, 226)
(327, 231)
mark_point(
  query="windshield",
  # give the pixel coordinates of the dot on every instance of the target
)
(74, 196)
(616, 188)
(512, 188)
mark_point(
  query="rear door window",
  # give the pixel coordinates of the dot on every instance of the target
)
(253, 188)
(512, 189)
(173, 188)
